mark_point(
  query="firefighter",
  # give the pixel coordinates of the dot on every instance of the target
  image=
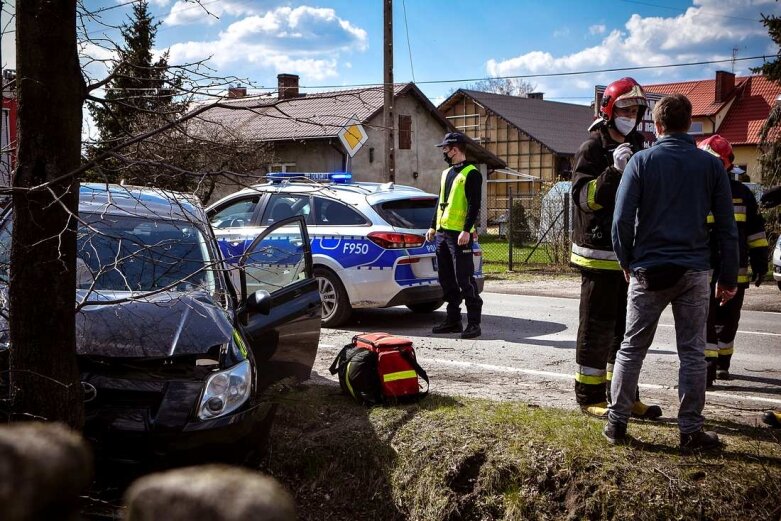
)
(599, 163)
(723, 320)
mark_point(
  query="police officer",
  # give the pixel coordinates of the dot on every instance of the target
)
(599, 163)
(752, 243)
(452, 228)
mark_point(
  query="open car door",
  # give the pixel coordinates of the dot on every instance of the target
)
(284, 331)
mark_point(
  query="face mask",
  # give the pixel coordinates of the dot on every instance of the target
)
(446, 158)
(624, 125)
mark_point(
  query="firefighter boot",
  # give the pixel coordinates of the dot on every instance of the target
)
(773, 418)
(711, 374)
(645, 412)
(595, 409)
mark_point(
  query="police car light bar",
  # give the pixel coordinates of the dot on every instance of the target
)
(333, 177)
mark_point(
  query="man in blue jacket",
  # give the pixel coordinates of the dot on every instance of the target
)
(660, 237)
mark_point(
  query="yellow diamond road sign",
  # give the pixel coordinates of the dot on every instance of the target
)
(353, 136)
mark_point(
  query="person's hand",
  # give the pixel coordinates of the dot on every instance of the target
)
(621, 156)
(724, 294)
(430, 234)
(463, 238)
(626, 274)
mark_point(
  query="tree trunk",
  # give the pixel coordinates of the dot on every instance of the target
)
(44, 372)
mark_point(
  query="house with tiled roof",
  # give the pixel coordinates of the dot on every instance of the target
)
(301, 132)
(535, 137)
(734, 107)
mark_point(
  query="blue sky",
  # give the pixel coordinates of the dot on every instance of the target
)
(339, 42)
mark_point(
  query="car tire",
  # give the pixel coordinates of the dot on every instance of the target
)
(779, 284)
(425, 307)
(336, 305)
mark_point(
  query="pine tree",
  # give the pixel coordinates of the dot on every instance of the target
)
(139, 96)
(770, 136)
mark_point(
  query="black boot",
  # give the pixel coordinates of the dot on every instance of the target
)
(448, 326)
(471, 331)
(615, 433)
(711, 374)
(699, 440)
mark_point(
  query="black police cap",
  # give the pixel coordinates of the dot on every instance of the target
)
(453, 138)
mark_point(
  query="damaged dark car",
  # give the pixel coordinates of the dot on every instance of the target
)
(176, 352)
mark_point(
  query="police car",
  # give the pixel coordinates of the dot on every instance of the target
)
(367, 239)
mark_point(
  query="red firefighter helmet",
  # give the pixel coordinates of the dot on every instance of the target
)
(719, 147)
(622, 93)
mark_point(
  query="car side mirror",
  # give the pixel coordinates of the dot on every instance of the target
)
(260, 301)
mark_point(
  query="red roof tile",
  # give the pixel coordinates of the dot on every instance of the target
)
(747, 115)
(754, 96)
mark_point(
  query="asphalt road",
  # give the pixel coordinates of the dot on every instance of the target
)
(527, 353)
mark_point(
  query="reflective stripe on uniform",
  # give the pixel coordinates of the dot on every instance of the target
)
(726, 348)
(711, 350)
(743, 275)
(596, 259)
(591, 194)
(590, 376)
(401, 375)
(757, 240)
(739, 216)
(609, 372)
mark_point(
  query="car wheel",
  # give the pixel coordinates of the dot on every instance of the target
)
(425, 307)
(336, 306)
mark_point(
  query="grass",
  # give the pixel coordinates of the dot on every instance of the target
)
(448, 458)
(496, 257)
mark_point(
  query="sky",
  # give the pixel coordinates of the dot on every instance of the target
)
(443, 45)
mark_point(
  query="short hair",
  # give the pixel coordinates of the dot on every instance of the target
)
(674, 113)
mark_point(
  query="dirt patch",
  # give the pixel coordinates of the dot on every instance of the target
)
(459, 458)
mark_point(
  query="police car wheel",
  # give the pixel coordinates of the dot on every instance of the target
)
(336, 306)
(425, 307)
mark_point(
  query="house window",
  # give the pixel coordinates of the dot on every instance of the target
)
(405, 132)
(282, 167)
(696, 128)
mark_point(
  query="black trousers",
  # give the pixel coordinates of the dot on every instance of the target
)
(723, 326)
(457, 277)
(600, 332)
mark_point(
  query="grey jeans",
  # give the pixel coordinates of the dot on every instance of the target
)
(689, 299)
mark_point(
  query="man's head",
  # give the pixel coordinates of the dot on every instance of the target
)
(672, 114)
(453, 147)
(623, 105)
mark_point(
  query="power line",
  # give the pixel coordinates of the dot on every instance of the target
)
(550, 74)
(409, 47)
(701, 11)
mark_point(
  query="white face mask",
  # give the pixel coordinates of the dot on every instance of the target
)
(624, 125)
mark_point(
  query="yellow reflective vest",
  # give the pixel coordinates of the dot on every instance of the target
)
(451, 213)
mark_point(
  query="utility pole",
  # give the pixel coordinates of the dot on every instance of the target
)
(390, 136)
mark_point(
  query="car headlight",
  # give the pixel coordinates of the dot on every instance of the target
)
(226, 391)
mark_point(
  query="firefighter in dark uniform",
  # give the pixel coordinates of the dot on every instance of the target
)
(452, 228)
(752, 242)
(599, 163)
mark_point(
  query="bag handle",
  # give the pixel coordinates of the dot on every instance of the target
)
(419, 370)
(334, 365)
(372, 343)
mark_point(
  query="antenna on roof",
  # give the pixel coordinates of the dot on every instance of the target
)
(734, 58)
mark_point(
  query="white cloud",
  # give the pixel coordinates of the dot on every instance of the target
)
(707, 31)
(597, 29)
(305, 40)
(185, 13)
(561, 32)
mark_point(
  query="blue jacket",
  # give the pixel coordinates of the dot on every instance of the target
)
(662, 206)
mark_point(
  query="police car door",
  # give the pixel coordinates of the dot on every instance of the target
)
(285, 340)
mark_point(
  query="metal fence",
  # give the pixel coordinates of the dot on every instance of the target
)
(528, 231)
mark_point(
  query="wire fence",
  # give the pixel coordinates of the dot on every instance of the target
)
(528, 231)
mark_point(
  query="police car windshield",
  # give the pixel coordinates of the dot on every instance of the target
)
(408, 213)
(123, 253)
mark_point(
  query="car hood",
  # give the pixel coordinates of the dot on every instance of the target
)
(160, 326)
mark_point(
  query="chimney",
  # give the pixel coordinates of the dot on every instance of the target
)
(237, 92)
(287, 86)
(725, 84)
(534, 95)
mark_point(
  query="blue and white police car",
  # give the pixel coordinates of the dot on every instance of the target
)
(367, 239)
